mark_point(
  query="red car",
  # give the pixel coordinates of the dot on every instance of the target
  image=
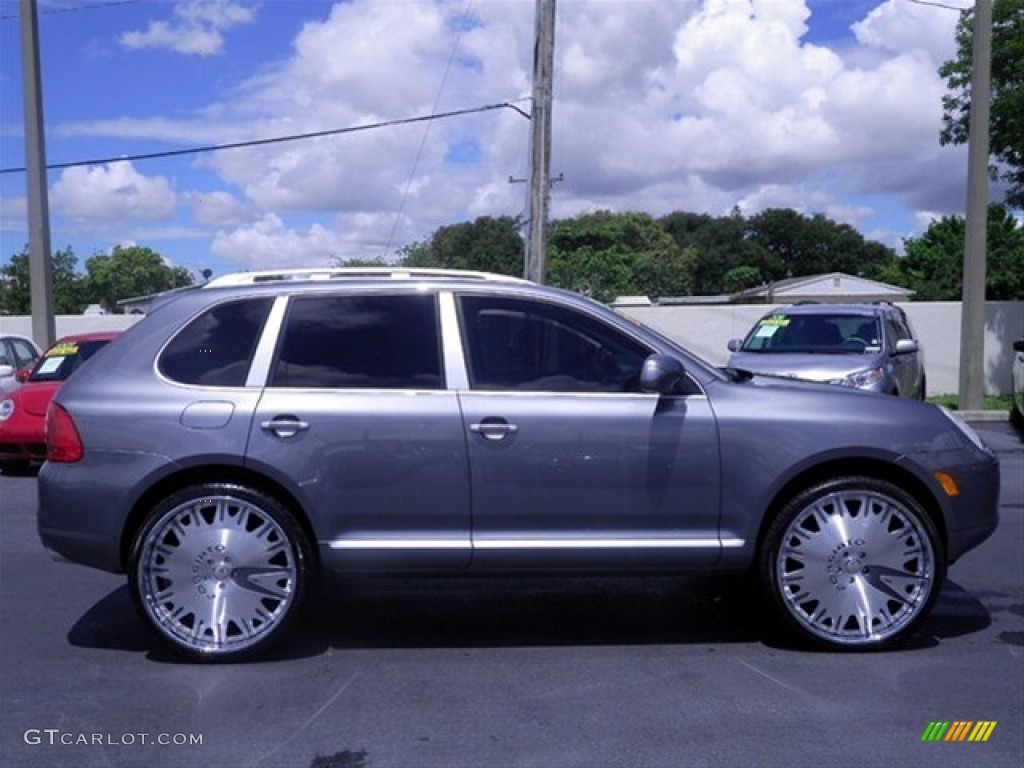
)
(23, 412)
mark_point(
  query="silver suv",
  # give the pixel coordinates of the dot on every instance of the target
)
(866, 346)
(246, 435)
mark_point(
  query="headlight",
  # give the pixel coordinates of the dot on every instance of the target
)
(861, 379)
(6, 410)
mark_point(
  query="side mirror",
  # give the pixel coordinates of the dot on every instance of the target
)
(1018, 345)
(23, 374)
(905, 347)
(735, 344)
(661, 374)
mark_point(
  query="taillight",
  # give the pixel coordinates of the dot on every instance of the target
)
(63, 442)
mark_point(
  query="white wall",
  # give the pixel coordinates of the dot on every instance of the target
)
(706, 330)
(70, 324)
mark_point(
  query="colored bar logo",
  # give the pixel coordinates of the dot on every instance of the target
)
(958, 730)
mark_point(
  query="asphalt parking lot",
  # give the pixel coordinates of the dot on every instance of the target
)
(495, 673)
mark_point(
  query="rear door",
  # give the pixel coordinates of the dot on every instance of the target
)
(356, 420)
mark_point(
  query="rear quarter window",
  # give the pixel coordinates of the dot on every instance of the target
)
(217, 347)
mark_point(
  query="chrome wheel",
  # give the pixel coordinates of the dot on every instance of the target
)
(218, 574)
(854, 563)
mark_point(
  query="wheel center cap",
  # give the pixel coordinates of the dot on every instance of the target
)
(852, 566)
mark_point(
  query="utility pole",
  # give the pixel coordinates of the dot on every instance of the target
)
(39, 258)
(540, 144)
(972, 319)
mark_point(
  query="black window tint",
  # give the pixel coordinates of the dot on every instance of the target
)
(63, 359)
(216, 348)
(535, 346)
(375, 342)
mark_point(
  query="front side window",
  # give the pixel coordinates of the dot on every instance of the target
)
(364, 342)
(216, 348)
(515, 344)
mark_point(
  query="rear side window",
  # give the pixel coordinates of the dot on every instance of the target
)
(360, 342)
(216, 348)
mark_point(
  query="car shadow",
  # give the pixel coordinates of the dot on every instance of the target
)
(485, 612)
(28, 469)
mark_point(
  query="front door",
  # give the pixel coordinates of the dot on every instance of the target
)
(570, 465)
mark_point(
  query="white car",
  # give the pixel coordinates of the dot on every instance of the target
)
(16, 352)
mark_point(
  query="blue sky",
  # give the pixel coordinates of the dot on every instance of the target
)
(828, 106)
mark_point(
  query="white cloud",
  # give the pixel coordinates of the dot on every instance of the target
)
(660, 105)
(197, 29)
(115, 191)
(270, 244)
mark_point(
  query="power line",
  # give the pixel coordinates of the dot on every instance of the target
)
(426, 132)
(275, 140)
(937, 5)
(76, 8)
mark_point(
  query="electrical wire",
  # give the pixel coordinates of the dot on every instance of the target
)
(75, 8)
(277, 139)
(426, 131)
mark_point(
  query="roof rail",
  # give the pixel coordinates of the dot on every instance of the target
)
(350, 273)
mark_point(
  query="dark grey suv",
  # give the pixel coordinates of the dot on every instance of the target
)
(248, 434)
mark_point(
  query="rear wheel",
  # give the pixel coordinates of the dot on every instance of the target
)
(852, 563)
(219, 571)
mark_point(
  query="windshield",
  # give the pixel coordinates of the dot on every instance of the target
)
(63, 359)
(825, 333)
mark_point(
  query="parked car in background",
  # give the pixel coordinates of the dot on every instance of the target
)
(16, 353)
(864, 346)
(23, 411)
(251, 432)
(1017, 384)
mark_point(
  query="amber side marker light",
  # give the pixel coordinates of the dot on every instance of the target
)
(948, 483)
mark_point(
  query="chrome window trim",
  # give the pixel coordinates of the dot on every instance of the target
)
(259, 369)
(456, 375)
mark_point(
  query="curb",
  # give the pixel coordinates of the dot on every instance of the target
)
(982, 415)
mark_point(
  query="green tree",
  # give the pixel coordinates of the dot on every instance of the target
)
(721, 248)
(607, 255)
(486, 244)
(129, 271)
(933, 263)
(810, 245)
(1006, 125)
(15, 284)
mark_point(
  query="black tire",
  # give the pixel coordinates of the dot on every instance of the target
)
(853, 563)
(220, 571)
(15, 466)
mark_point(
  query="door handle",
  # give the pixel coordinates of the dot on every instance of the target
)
(494, 429)
(285, 425)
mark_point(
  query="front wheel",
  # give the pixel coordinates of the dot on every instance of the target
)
(219, 571)
(852, 563)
